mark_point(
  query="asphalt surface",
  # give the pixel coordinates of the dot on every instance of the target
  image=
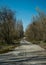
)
(23, 58)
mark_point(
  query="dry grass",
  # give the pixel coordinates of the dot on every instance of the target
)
(41, 43)
(6, 48)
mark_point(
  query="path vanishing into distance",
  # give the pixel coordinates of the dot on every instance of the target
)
(26, 54)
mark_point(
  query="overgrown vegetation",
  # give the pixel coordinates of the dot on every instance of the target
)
(36, 31)
(10, 28)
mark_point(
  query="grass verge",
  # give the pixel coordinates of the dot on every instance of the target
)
(7, 48)
(41, 43)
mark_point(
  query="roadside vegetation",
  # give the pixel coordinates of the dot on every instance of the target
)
(36, 31)
(4, 48)
(11, 30)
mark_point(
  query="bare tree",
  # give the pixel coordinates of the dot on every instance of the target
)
(20, 32)
(7, 25)
(37, 29)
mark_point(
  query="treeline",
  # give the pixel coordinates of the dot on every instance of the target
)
(10, 28)
(37, 29)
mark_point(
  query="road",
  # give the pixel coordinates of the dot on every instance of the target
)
(26, 54)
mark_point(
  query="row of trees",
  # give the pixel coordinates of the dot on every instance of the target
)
(10, 28)
(37, 29)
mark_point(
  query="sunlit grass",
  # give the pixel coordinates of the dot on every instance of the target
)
(4, 48)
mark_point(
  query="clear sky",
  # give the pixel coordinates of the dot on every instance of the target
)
(24, 8)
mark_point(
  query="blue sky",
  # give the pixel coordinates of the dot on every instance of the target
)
(24, 8)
